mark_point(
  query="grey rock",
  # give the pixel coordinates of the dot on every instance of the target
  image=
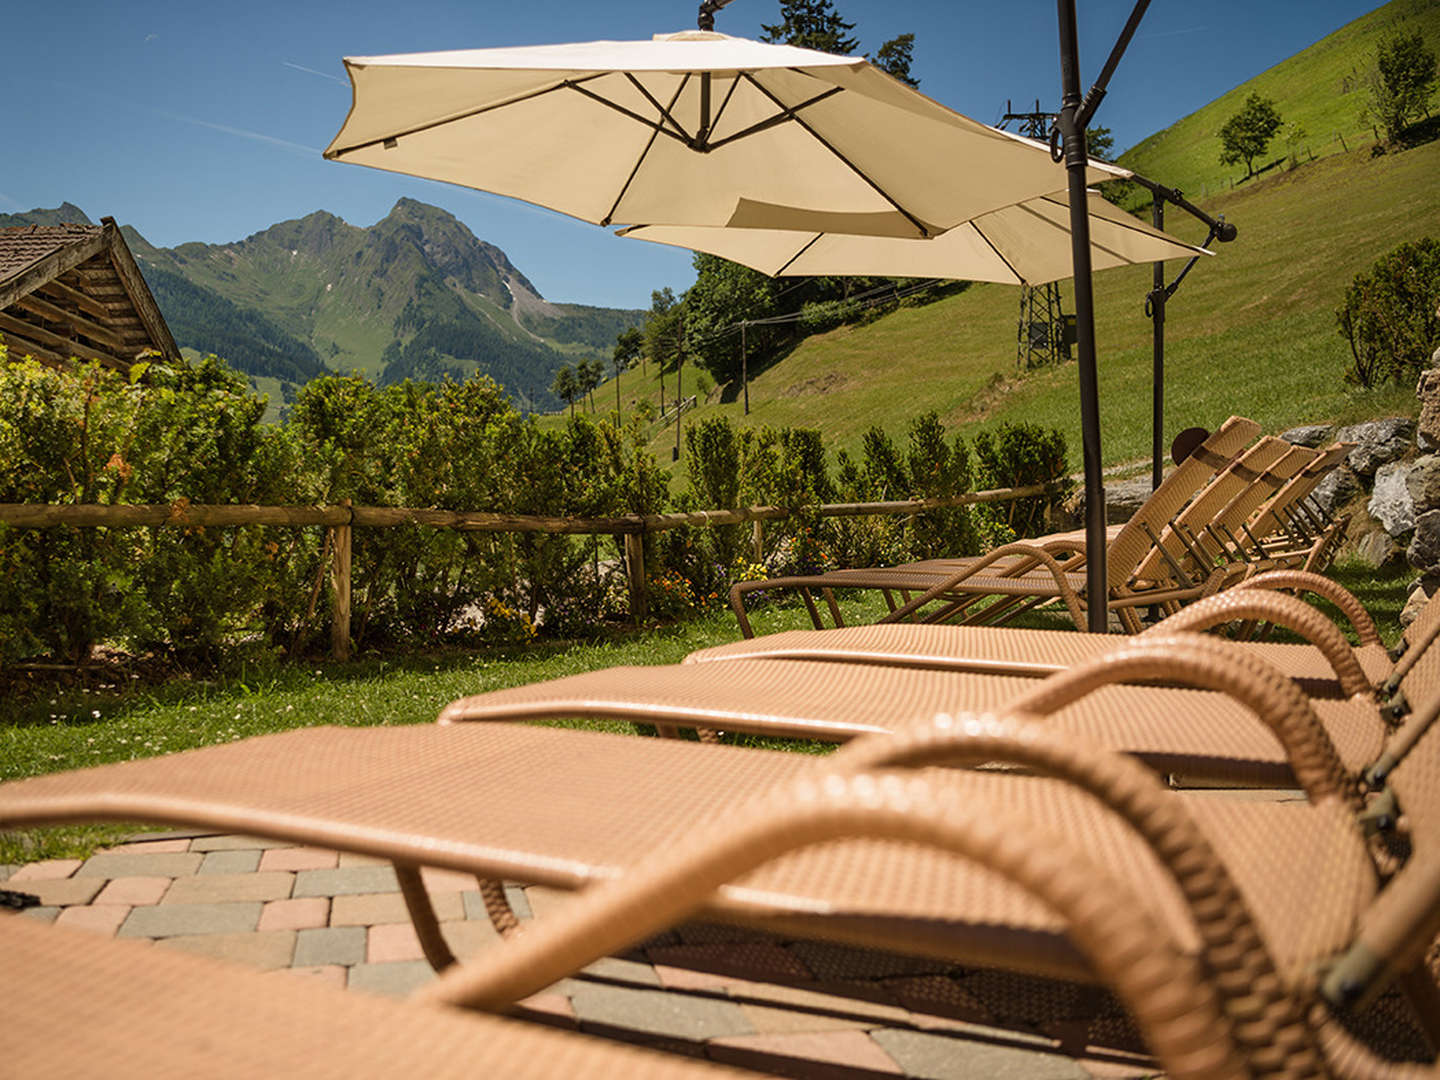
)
(1390, 502)
(1411, 611)
(1424, 550)
(1378, 442)
(1122, 499)
(1423, 480)
(1376, 548)
(1308, 434)
(1336, 489)
(1427, 432)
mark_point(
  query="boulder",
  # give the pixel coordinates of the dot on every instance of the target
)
(1123, 498)
(1411, 611)
(1336, 490)
(1390, 501)
(1424, 483)
(1427, 432)
(1378, 443)
(1311, 435)
(1424, 550)
(1376, 548)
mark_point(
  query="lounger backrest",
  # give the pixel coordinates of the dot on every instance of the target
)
(1133, 542)
(1244, 472)
(1271, 518)
(1278, 478)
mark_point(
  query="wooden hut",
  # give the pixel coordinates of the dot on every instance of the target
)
(75, 291)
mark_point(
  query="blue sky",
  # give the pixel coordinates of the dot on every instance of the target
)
(205, 121)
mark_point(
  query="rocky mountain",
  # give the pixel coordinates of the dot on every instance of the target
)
(416, 296)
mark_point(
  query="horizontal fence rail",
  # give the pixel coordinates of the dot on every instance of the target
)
(341, 518)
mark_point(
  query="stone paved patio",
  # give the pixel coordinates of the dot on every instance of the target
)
(794, 1008)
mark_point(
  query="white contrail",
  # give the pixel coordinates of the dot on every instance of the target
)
(312, 71)
(243, 133)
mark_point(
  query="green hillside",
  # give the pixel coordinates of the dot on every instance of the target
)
(1251, 331)
(1321, 90)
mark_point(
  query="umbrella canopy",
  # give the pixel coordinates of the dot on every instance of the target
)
(694, 128)
(1027, 244)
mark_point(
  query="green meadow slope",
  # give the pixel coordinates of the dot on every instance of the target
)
(1251, 331)
(1320, 90)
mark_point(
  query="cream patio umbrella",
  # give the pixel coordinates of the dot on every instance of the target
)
(692, 128)
(1025, 244)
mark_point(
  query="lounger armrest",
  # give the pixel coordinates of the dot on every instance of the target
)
(1243, 603)
(1211, 664)
(1031, 556)
(1337, 594)
(1190, 1032)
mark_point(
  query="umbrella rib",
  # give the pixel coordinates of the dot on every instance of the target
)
(658, 126)
(924, 232)
(571, 83)
(1019, 277)
(610, 214)
(721, 111)
(791, 261)
(774, 121)
(689, 140)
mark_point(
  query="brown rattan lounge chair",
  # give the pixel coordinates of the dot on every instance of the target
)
(1194, 730)
(1216, 882)
(78, 1006)
(1022, 573)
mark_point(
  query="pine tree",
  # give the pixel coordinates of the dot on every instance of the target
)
(811, 24)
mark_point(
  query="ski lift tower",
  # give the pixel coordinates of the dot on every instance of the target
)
(1045, 332)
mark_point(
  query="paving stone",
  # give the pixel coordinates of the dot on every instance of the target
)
(228, 888)
(165, 864)
(62, 892)
(518, 901)
(133, 891)
(353, 858)
(298, 858)
(230, 862)
(305, 913)
(171, 920)
(47, 870)
(933, 1056)
(95, 918)
(475, 906)
(345, 881)
(344, 945)
(759, 961)
(371, 909)
(867, 1004)
(235, 843)
(466, 938)
(329, 974)
(391, 942)
(776, 1020)
(395, 980)
(621, 970)
(267, 952)
(675, 1016)
(542, 899)
(43, 913)
(850, 1050)
(549, 1008)
(148, 847)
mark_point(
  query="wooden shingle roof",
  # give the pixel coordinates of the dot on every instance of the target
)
(75, 291)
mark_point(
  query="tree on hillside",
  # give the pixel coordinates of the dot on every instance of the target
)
(589, 374)
(1401, 83)
(665, 329)
(1246, 134)
(895, 57)
(566, 387)
(811, 24)
(629, 344)
(726, 293)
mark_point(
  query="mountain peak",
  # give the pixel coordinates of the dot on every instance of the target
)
(67, 213)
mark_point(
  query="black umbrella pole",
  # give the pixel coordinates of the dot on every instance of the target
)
(1157, 381)
(1076, 160)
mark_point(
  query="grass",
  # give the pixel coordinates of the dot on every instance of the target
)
(74, 728)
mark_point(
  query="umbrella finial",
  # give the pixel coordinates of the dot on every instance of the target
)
(708, 8)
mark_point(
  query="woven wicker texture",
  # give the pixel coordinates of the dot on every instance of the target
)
(1203, 734)
(80, 1006)
(566, 807)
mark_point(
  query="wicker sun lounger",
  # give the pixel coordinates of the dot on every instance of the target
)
(1020, 574)
(78, 1006)
(1194, 730)
(1194, 883)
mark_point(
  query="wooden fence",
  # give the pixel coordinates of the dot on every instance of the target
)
(341, 518)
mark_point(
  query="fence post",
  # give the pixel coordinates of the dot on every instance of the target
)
(635, 573)
(757, 540)
(340, 590)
